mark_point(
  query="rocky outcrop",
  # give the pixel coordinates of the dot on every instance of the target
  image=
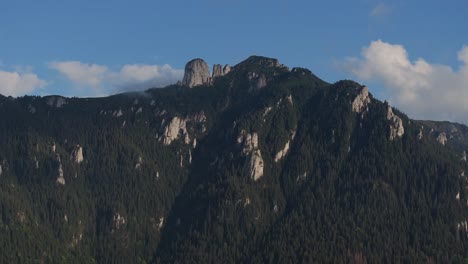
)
(396, 124)
(161, 223)
(60, 179)
(248, 141)
(462, 227)
(256, 165)
(56, 101)
(442, 138)
(301, 177)
(174, 130)
(196, 73)
(118, 221)
(117, 113)
(217, 70)
(77, 154)
(177, 128)
(226, 69)
(257, 81)
(139, 163)
(360, 103)
(282, 153)
(420, 134)
(250, 149)
(463, 158)
(1, 171)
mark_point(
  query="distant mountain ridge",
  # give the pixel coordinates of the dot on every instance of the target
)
(252, 163)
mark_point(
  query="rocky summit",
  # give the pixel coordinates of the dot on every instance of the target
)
(251, 163)
(196, 73)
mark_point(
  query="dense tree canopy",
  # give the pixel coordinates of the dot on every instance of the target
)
(343, 192)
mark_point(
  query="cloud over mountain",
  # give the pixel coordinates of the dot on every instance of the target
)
(98, 79)
(16, 83)
(422, 89)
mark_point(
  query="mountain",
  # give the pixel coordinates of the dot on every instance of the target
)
(255, 163)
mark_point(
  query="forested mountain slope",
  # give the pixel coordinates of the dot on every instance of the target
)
(256, 164)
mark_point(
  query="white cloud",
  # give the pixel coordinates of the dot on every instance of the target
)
(381, 10)
(80, 73)
(99, 78)
(18, 83)
(422, 89)
(141, 76)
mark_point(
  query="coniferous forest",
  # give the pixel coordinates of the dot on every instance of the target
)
(289, 169)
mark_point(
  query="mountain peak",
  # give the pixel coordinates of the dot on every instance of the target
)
(196, 73)
(260, 61)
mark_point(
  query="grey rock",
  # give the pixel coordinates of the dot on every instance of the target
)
(217, 70)
(256, 165)
(442, 138)
(250, 149)
(226, 69)
(60, 179)
(420, 134)
(396, 124)
(77, 154)
(196, 73)
(56, 101)
(361, 101)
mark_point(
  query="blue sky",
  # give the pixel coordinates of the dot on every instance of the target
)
(96, 48)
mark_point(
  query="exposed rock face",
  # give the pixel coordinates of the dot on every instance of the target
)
(246, 201)
(118, 221)
(442, 138)
(196, 73)
(396, 124)
(60, 179)
(139, 163)
(198, 119)
(282, 152)
(256, 165)
(178, 128)
(217, 70)
(361, 101)
(249, 143)
(420, 134)
(161, 222)
(117, 113)
(302, 176)
(56, 101)
(267, 110)
(77, 154)
(1, 170)
(52, 147)
(257, 81)
(226, 69)
(462, 158)
(463, 227)
(174, 130)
